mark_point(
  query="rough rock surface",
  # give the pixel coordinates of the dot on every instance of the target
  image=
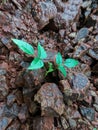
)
(50, 99)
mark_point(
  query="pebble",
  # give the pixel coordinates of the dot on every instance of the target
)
(89, 113)
(83, 32)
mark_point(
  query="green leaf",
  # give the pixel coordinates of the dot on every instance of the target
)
(63, 70)
(71, 62)
(41, 52)
(36, 64)
(58, 58)
(24, 46)
(50, 69)
(94, 129)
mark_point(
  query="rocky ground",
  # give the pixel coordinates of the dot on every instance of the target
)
(28, 99)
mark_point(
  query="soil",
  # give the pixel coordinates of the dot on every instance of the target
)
(29, 100)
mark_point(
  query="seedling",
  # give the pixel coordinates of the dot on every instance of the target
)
(69, 63)
(94, 128)
(38, 62)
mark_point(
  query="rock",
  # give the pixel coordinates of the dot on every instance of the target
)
(15, 125)
(84, 124)
(44, 11)
(80, 50)
(33, 108)
(2, 107)
(44, 123)
(86, 4)
(34, 78)
(6, 42)
(87, 59)
(96, 107)
(88, 99)
(27, 95)
(4, 67)
(93, 53)
(89, 113)
(51, 100)
(23, 113)
(26, 126)
(96, 100)
(19, 82)
(76, 92)
(96, 37)
(42, 41)
(95, 71)
(24, 64)
(67, 13)
(96, 82)
(76, 115)
(83, 33)
(31, 78)
(19, 97)
(80, 82)
(11, 99)
(64, 85)
(2, 71)
(61, 35)
(72, 123)
(3, 87)
(13, 57)
(85, 69)
(69, 94)
(72, 35)
(64, 123)
(4, 123)
(50, 56)
(11, 111)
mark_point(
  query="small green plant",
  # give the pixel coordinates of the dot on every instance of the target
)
(38, 62)
(94, 128)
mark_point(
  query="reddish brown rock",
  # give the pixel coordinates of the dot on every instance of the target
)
(75, 91)
(3, 87)
(23, 114)
(14, 125)
(51, 100)
(43, 12)
(30, 79)
(45, 123)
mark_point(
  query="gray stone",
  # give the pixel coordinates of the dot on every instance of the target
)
(83, 32)
(4, 122)
(72, 123)
(68, 12)
(2, 71)
(80, 50)
(93, 53)
(80, 81)
(11, 111)
(11, 99)
(89, 113)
